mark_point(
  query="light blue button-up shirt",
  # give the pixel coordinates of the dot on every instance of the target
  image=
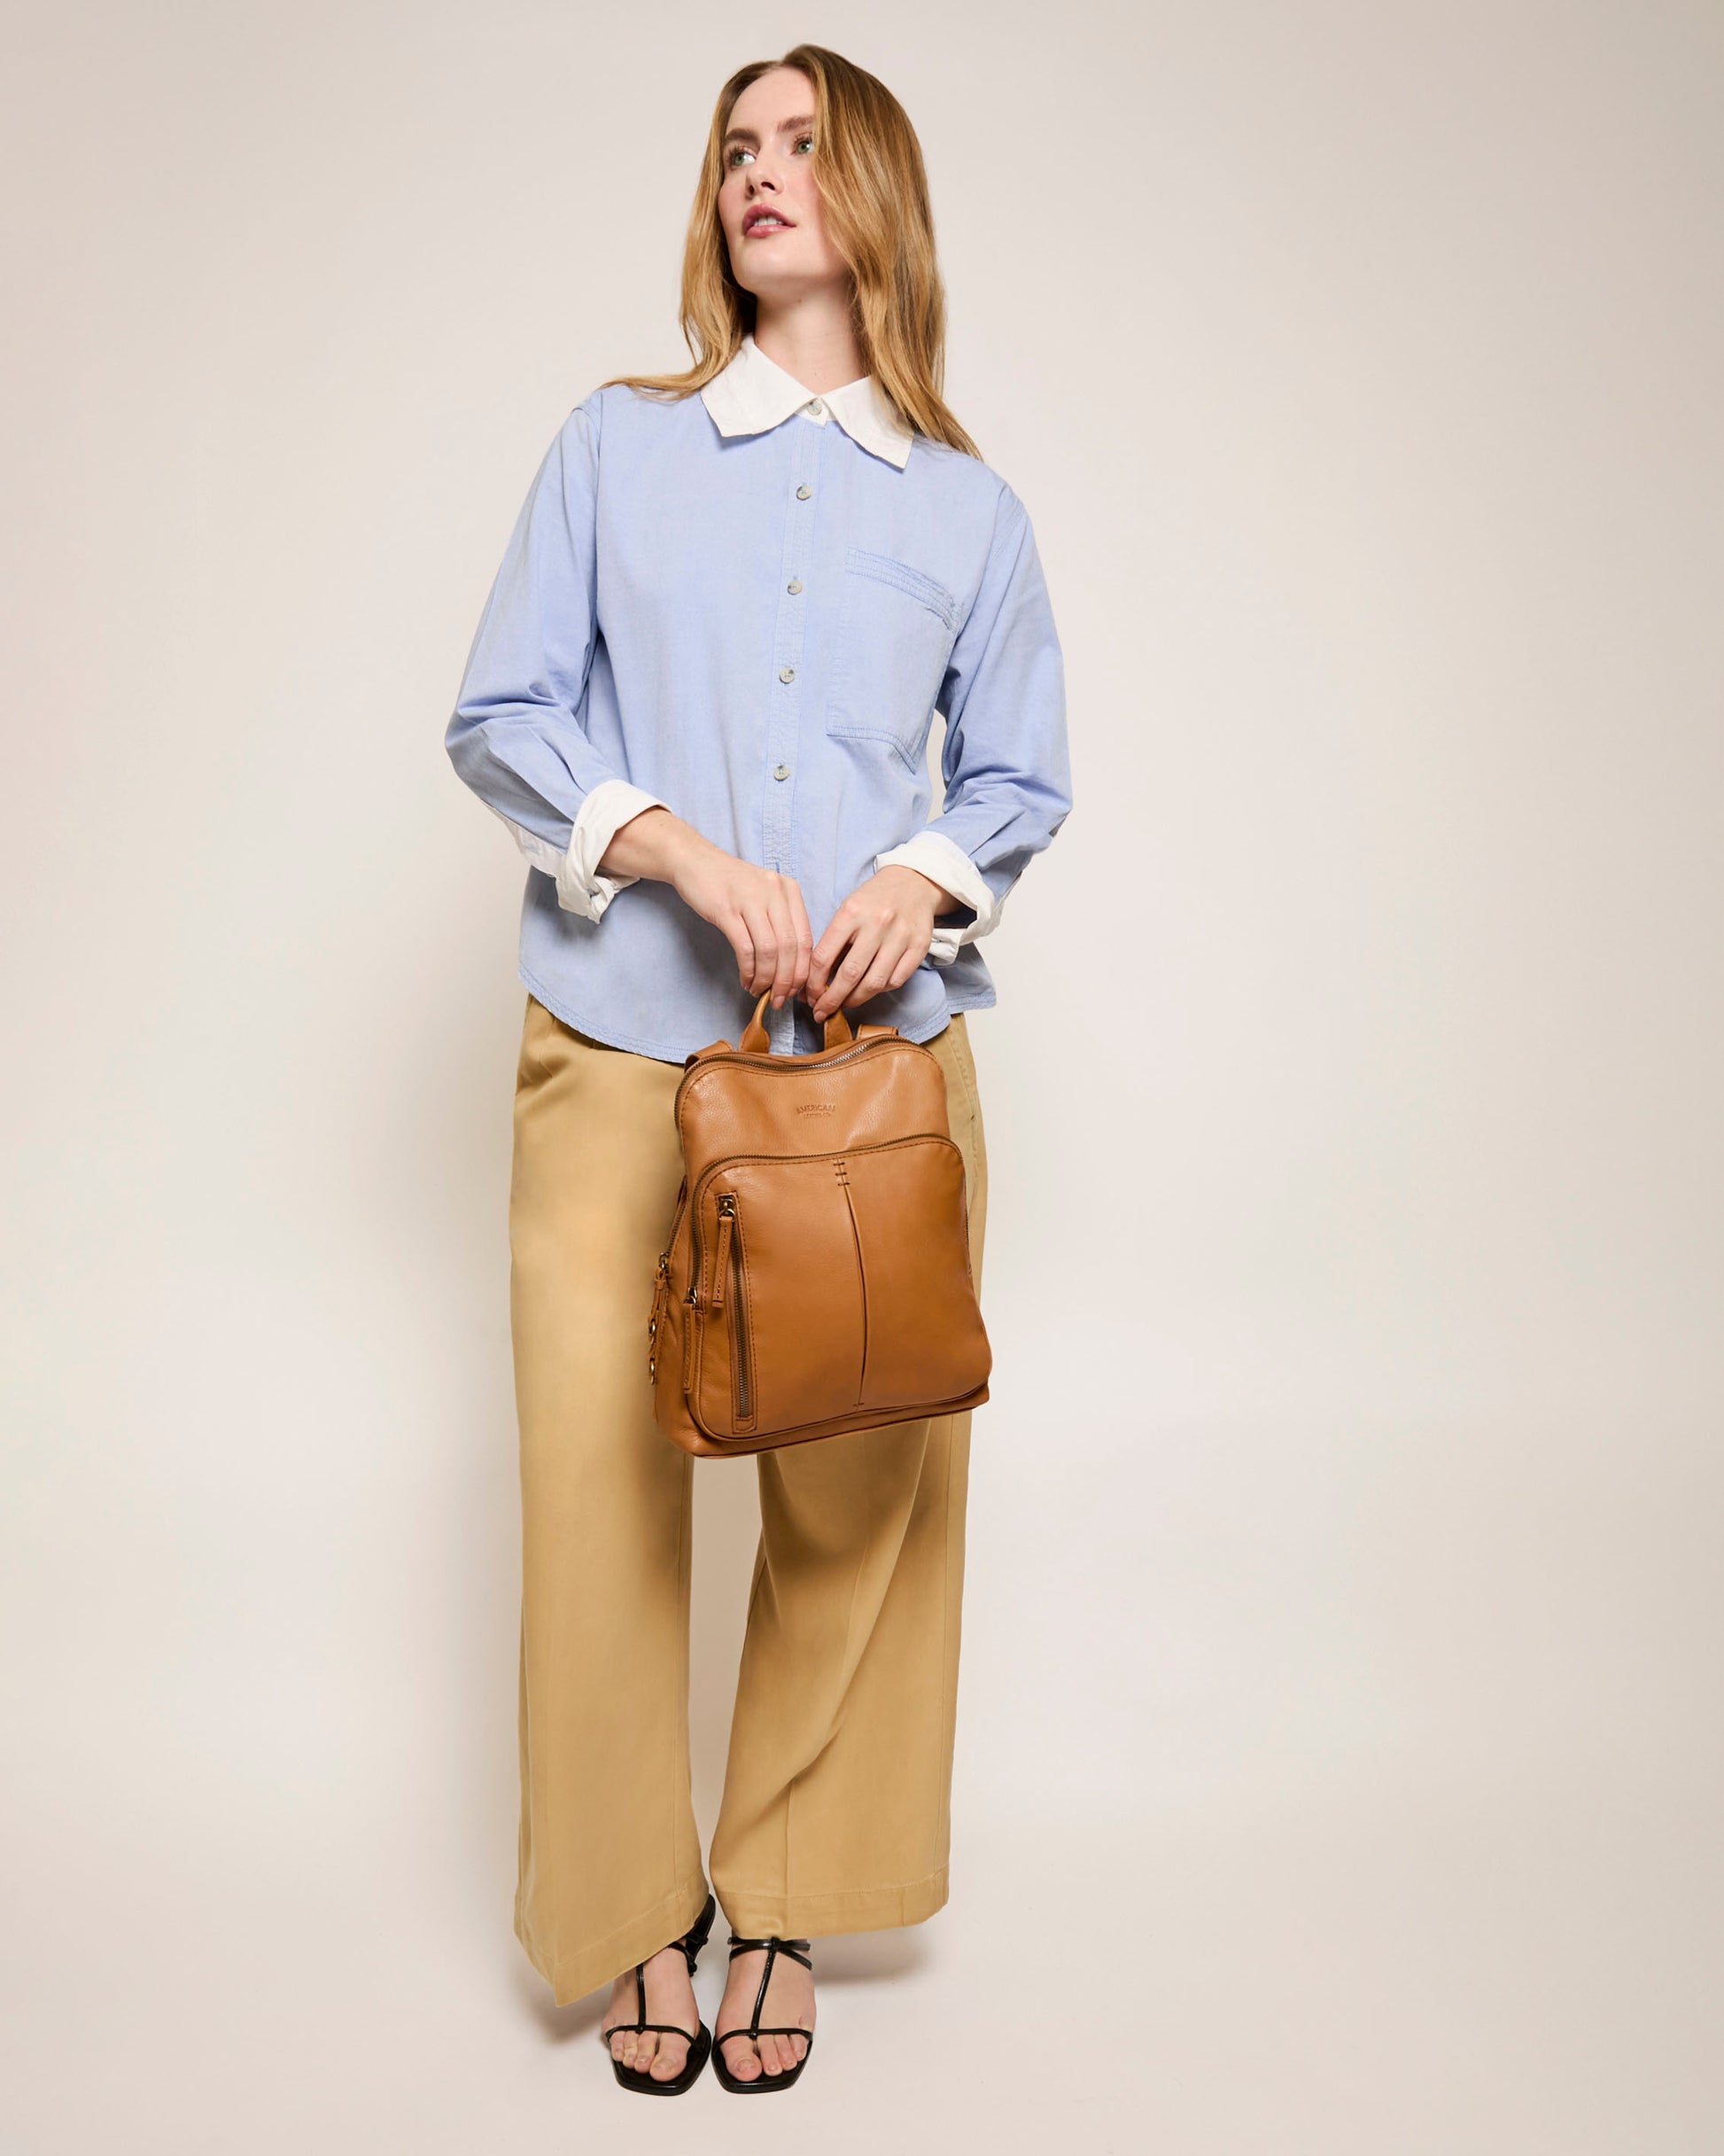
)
(732, 606)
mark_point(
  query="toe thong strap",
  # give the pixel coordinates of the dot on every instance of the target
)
(797, 1950)
(640, 2026)
(807, 2034)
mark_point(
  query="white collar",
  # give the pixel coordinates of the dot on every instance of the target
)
(754, 392)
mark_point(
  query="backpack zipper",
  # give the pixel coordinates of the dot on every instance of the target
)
(779, 1064)
(729, 1258)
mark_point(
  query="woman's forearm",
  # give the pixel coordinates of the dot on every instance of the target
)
(655, 842)
(652, 844)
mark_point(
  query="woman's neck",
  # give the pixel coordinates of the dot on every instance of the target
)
(813, 340)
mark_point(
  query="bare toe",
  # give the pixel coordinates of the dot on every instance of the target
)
(672, 2057)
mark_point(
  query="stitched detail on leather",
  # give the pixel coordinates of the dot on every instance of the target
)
(861, 1274)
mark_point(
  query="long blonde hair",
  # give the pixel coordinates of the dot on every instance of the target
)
(873, 191)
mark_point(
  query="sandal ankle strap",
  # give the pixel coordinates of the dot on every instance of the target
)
(695, 1937)
(796, 1948)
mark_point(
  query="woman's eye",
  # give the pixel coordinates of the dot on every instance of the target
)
(801, 139)
(735, 154)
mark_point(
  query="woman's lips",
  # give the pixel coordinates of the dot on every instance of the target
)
(763, 228)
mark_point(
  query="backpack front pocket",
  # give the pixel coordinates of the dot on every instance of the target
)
(830, 1285)
(780, 1305)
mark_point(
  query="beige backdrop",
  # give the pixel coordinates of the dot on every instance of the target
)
(1339, 1746)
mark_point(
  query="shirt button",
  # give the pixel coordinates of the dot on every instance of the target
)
(787, 674)
(816, 405)
(803, 492)
(780, 771)
(794, 586)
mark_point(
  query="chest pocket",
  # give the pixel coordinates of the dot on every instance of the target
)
(895, 631)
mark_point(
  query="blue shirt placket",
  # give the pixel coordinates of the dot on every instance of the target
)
(784, 732)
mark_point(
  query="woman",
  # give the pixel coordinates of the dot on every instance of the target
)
(700, 696)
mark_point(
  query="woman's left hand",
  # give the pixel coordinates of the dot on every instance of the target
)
(888, 925)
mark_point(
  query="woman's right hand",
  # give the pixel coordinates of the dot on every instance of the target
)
(760, 910)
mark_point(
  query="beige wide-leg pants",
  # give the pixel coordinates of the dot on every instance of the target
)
(835, 1813)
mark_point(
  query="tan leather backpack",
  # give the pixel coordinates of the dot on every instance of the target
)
(817, 1277)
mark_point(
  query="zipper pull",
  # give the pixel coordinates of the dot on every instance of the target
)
(662, 1280)
(727, 1224)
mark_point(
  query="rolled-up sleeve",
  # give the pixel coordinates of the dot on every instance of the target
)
(516, 736)
(1005, 759)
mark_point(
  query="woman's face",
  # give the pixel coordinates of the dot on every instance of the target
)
(768, 203)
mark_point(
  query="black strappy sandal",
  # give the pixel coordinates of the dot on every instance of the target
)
(797, 1951)
(700, 2044)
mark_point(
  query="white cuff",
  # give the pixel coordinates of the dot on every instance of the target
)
(580, 889)
(936, 857)
(606, 809)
